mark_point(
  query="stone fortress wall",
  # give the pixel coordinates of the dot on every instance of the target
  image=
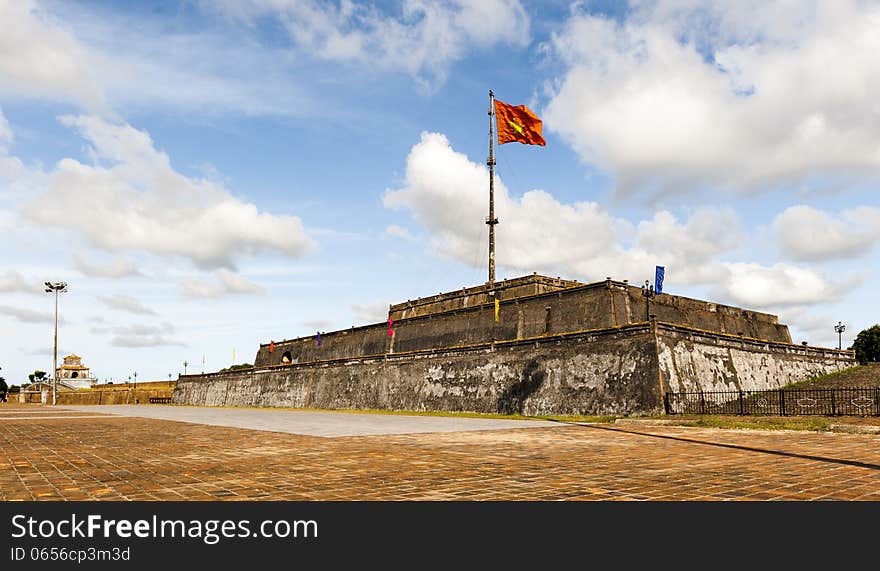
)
(620, 370)
(472, 320)
(558, 348)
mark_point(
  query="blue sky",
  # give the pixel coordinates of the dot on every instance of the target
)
(208, 176)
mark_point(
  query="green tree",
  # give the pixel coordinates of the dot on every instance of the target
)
(237, 367)
(867, 345)
(37, 376)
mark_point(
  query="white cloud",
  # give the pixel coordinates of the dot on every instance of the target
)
(134, 200)
(12, 281)
(445, 192)
(317, 324)
(27, 315)
(374, 312)
(41, 351)
(767, 101)
(40, 57)
(5, 132)
(398, 232)
(227, 283)
(814, 328)
(756, 286)
(101, 60)
(12, 170)
(139, 335)
(126, 303)
(806, 233)
(423, 40)
(116, 268)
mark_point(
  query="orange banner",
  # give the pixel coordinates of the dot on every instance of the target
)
(517, 124)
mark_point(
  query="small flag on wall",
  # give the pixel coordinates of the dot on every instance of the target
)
(390, 327)
(658, 279)
(271, 346)
(319, 338)
(497, 307)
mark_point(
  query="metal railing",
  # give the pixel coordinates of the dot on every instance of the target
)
(778, 402)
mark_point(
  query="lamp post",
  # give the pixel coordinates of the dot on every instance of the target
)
(135, 376)
(185, 363)
(840, 328)
(56, 287)
(648, 293)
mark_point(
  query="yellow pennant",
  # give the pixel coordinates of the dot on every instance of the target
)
(497, 306)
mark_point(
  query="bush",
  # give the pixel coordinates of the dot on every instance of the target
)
(237, 367)
(867, 345)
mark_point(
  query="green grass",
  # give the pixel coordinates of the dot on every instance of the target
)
(815, 424)
(821, 378)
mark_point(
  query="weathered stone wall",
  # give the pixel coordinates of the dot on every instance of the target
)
(621, 370)
(134, 393)
(479, 295)
(552, 375)
(691, 361)
(704, 315)
(595, 306)
(134, 396)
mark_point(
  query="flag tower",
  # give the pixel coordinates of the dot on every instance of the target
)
(491, 220)
(518, 124)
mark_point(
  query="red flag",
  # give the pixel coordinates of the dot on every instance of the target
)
(518, 124)
(271, 346)
(390, 330)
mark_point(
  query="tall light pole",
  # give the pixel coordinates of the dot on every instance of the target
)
(648, 293)
(840, 328)
(56, 287)
(185, 363)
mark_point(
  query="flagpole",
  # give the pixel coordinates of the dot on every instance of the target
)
(491, 221)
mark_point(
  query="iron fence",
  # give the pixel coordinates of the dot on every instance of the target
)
(779, 402)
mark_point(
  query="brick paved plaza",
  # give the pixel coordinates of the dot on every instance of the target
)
(87, 454)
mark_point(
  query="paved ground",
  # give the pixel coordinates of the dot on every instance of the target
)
(309, 423)
(53, 455)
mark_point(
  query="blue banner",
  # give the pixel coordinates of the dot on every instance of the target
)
(658, 279)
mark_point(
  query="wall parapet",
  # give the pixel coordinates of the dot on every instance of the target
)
(539, 340)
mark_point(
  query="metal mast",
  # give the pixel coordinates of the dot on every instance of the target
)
(58, 287)
(491, 220)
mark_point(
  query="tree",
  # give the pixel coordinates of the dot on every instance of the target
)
(237, 367)
(867, 345)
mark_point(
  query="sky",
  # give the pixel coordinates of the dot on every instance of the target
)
(211, 175)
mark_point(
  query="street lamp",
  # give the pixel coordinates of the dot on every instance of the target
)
(648, 293)
(185, 363)
(135, 376)
(840, 328)
(56, 287)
